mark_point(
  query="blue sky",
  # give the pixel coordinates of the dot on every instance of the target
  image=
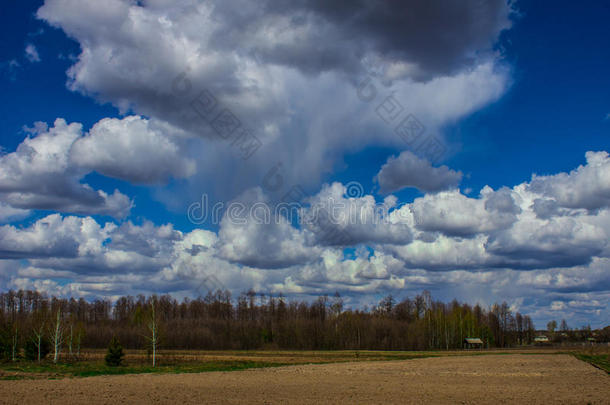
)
(523, 91)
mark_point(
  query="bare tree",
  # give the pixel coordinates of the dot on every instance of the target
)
(71, 338)
(57, 336)
(551, 326)
(153, 329)
(38, 329)
(14, 341)
(80, 332)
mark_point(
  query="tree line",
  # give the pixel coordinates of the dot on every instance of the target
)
(35, 322)
(564, 334)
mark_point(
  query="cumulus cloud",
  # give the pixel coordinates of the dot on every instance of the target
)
(82, 245)
(444, 254)
(559, 242)
(54, 236)
(254, 235)
(269, 69)
(45, 170)
(312, 36)
(315, 36)
(409, 170)
(336, 218)
(499, 229)
(273, 67)
(586, 187)
(132, 149)
(455, 214)
(544, 262)
(39, 175)
(526, 227)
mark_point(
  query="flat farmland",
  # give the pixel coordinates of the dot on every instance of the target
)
(339, 377)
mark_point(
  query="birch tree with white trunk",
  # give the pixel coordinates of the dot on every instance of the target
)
(57, 336)
(153, 332)
(14, 342)
(38, 333)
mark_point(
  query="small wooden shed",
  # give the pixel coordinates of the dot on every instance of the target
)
(473, 343)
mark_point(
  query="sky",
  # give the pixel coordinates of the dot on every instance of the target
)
(309, 147)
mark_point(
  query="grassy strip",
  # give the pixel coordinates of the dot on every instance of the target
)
(601, 361)
(47, 370)
(90, 369)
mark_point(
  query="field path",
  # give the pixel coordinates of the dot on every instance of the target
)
(489, 379)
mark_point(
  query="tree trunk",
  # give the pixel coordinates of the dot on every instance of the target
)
(70, 341)
(15, 339)
(57, 337)
(39, 336)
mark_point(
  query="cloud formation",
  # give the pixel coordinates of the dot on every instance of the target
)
(292, 75)
(409, 170)
(40, 175)
(493, 239)
(45, 171)
(132, 149)
(584, 187)
(272, 67)
(31, 53)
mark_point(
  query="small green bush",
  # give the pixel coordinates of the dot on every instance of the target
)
(115, 354)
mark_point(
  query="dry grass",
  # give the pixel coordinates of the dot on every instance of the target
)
(302, 356)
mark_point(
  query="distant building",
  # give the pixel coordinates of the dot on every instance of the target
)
(473, 343)
(541, 340)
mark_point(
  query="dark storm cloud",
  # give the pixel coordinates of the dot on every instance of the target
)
(408, 170)
(440, 37)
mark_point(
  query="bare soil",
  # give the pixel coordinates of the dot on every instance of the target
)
(510, 378)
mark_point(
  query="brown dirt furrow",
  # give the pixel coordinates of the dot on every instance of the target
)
(493, 379)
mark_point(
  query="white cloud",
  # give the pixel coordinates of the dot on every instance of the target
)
(500, 229)
(39, 175)
(586, 187)
(54, 236)
(454, 214)
(560, 241)
(133, 56)
(257, 237)
(31, 53)
(45, 170)
(558, 306)
(9, 214)
(565, 273)
(336, 218)
(294, 61)
(444, 253)
(132, 149)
